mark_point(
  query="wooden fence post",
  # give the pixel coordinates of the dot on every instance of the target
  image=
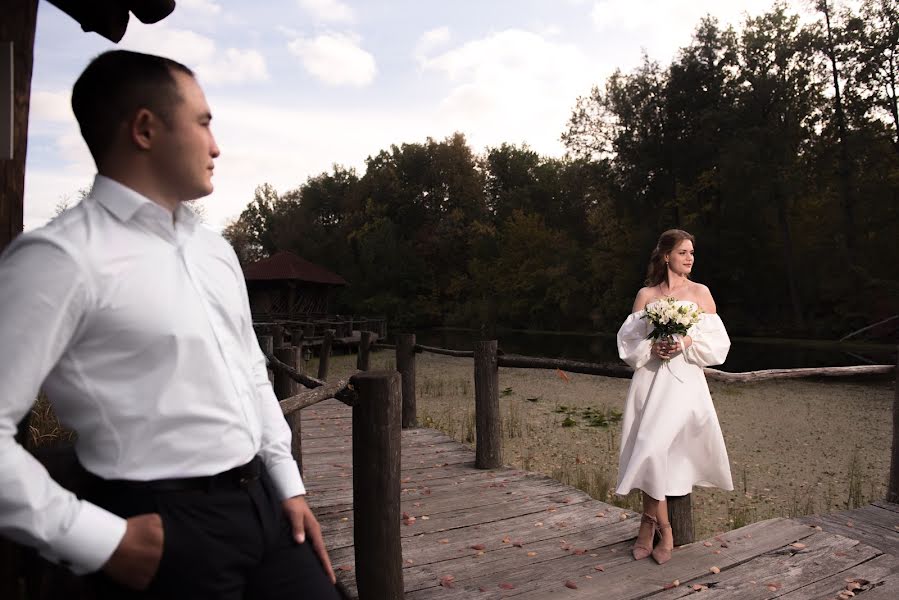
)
(376, 486)
(680, 513)
(362, 360)
(324, 355)
(285, 387)
(277, 335)
(405, 364)
(893, 489)
(488, 448)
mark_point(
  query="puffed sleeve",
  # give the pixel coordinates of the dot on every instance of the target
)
(633, 347)
(710, 342)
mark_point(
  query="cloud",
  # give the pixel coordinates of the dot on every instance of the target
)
(508, 79)
(329, 11)
(336, 59)
(664, 26)
(200, 53)
(51, 106)
(429, 41)
(207, 7)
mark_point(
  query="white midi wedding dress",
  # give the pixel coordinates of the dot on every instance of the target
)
(670, 438)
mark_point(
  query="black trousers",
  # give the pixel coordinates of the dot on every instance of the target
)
(220, 544)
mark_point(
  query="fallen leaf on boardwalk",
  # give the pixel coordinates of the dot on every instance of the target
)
(571, 585)
(579, 551)
(725, 545)
(507, 540)
(623, 516)
(478, 547)
(715, 570)
(532, 554)
(506, 586)
(482, 589)
(345, 519)
(566, 500)
(774, 586)
(599, 568)
(798, 545)
(707, 544)
(565, 546)
(518, 543)
(409, 561)
(447, 581)
(409, 521)
(443, 541)
(673, 584)
(425, 517)
(345, 568)
(538, 524)
(600, 515)
(562, 375)
(699, 587)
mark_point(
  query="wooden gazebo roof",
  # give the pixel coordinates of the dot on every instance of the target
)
(286, 265)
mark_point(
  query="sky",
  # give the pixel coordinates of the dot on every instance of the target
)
(296, 86)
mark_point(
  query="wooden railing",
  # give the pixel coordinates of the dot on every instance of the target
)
(488, 443)
(376, 423)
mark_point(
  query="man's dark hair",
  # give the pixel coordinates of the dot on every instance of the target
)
(117, 84)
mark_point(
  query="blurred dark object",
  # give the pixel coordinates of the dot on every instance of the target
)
(109, 18)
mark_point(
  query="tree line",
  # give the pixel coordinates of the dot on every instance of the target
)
(776, 144)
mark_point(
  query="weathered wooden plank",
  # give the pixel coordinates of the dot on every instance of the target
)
(870, 575)
(859, 529)
(637, 579)
(782, 571)
(337, 531)
(886, 505)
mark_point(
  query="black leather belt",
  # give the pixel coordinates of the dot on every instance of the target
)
(237, 478)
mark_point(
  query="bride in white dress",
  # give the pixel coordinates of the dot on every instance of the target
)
(670, 439)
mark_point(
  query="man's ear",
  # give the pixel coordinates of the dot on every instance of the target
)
(143, 129)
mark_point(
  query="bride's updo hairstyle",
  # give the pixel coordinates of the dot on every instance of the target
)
(658, 269)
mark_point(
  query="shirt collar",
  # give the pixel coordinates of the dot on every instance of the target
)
(124, 202)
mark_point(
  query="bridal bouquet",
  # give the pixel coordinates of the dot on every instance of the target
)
(670, 319)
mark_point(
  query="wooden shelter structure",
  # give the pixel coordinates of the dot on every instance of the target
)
(286, 286)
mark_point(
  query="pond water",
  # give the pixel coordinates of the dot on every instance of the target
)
(746, 354)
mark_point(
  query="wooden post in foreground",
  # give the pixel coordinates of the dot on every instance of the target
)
(285, 387)
(324, 355)
(893, 489)
(489, 444)
(376, 485)
(680, 513)
(405, 364)
(362, 360)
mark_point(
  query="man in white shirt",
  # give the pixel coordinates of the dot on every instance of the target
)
(135, 320)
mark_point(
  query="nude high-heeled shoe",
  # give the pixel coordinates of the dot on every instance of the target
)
(639, 550)
(661, 555)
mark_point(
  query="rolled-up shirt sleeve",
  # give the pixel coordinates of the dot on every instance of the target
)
(42, 301)
(276, 435)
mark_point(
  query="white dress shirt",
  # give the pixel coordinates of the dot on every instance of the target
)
(138, 327)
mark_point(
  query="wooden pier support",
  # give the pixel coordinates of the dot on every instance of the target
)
(893, 488)
(405, 364)
(285, 387)
(680, 513)
(488, 448)
(324, 355)
(376, 485)
(362, 360)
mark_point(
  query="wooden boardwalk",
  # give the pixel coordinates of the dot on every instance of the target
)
(506, 533)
